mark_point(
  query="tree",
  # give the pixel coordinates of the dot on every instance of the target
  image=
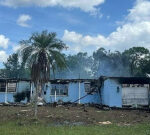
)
(99, 56)
(12, 66)
(135, 56)
(109, 63)
(42, 52)
(79, 66)
(145, 66)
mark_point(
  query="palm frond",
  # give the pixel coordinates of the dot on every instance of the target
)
(42, 52)
(58, 58)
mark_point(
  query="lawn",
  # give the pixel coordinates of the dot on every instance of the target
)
(68, 120)
(15, 129)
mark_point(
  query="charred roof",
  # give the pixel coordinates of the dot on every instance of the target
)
(129, 80)
(52, 81)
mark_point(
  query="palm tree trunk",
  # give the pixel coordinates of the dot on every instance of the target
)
(36, 100)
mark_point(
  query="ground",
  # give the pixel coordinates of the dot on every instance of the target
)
(73, 118)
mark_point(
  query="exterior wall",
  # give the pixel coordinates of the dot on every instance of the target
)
(111, 93)
(111, 96)
(9, 97)
(135, 95)
(73, 95)
(21, 86)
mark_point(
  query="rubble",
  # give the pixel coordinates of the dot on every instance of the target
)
(105, 122)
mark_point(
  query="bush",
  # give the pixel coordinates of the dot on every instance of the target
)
(20, 96)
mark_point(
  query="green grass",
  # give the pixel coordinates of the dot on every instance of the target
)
(16, 129)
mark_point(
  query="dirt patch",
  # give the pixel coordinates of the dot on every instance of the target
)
(77, 115)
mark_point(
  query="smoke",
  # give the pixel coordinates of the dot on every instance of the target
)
(82, 66)
(114, 68)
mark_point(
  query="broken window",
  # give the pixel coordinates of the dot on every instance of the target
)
(2, 86)
(61, 89)
(87, 87)
(11, 87)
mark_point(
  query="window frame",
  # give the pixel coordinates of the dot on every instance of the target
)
(85, 89)
(6, 85)
(14, 89)
(57, 85)
(0, 87)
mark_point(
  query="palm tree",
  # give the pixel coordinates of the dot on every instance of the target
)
(42, 52)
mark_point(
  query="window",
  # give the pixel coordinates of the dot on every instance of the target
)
(2, 86)
(11, 87)
(61, 89)
(87, 87)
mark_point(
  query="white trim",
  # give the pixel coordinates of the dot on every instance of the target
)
(79, 93)
(6, 88)
(55, 96)
(31, 89)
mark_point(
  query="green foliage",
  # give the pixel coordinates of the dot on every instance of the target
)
(110, 63)
(132, 62)
(138, 60)
(13, 68)
(42, 52)
(78, 66)
(20, 96)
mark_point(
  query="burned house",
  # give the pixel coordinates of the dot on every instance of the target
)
(59, 90)
(109, 91)
(125, 91)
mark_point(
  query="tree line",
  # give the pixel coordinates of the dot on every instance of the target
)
(132, 62)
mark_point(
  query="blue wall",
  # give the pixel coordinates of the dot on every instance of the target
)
(111, 95)
(21, 86)
(9, 97)
(73, 94)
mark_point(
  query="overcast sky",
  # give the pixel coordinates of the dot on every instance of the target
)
(84, 25)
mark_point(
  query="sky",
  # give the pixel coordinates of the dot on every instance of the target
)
(84, 25)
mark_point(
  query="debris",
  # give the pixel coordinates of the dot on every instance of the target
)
(105, 122)
(85, 110)
(54, 104)
(127, 124)
(24, 110)
(49, 116)
(122, 116)
(106, 108)
(40, 104)
(98, 111)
